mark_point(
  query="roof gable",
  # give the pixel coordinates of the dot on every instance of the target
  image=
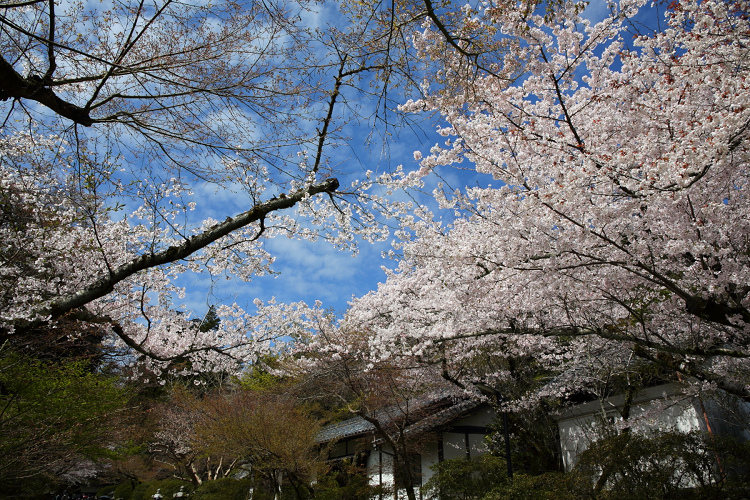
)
(424, 414)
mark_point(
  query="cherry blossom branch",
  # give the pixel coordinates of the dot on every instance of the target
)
(703, 308)
(609, 334)
(322, 134)
(50, 46)
(449, 38)
(83, 315)
(640, 347)
(688, 368)
(59, 306)
(129, 44)
(20, 4)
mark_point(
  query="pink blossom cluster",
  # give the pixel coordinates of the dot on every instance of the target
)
(62, 245)
(618, 225)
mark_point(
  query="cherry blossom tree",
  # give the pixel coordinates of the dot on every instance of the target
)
(614, 231)
(335, 364)
(113, 116)
(68, 264)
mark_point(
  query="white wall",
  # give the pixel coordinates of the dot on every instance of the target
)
(656, 408)
(454, 444)
(380, 466)
(380, 461)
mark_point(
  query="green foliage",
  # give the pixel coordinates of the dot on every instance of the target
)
(259, 380)
(258, 377)
(211, 321)
(634, 467)
(124, 490)
(346, 483)
(53, 414)
(105, 490)
(223, 489)
(664, 466)
(36, 488)
(462, 479)
(549, 486)
(167, 487)
(624, 467)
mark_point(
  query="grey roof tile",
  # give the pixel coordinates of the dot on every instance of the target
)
(432, 410)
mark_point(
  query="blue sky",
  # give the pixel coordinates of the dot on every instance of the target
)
(309, 271)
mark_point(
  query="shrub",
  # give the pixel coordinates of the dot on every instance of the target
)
(348, 484)
(124, 491)
(106, 490)
(548, 486)
(624, 467)
(663, 466)
(223, 489)
(167, 487)
(461, 478)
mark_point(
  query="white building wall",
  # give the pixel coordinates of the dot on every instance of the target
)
(454, 444)
(380, 467)
(380, 460)
(651, 410)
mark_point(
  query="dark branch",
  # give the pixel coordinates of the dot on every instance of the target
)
(15, 86)
(57, 307)
(605, 333)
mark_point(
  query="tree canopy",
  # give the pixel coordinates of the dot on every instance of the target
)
(615, 232)
(114, 115)
(611, 236)
(54, 421)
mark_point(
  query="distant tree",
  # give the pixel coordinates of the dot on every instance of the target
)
(267, 434)
(210, 321)
(55, 420)
(174, 442)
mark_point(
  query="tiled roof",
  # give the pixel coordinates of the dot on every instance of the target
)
(443, 417)
(348, 428)
(436, 409)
